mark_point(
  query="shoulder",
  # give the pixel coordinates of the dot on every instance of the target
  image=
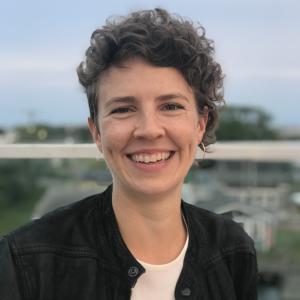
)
(222, 245)
(217, 231)
(67, 226)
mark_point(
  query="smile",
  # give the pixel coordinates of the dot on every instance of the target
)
(147, 158)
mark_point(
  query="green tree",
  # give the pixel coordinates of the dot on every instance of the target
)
(37, 133)
(245, 123)
(21, 180)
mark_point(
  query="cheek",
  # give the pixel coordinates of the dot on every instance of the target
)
(186, 133)
(114, 136)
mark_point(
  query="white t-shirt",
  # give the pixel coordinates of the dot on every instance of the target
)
(159, 281)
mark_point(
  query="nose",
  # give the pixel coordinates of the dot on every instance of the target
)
(148, 126)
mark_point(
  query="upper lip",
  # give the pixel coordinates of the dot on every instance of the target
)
(149, 151)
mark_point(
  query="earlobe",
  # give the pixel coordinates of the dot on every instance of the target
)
(99, 144)
(95, 134)
(202, 126)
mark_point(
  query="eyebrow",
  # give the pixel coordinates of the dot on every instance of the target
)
(172, 96)
(132, 99)
(126, 99)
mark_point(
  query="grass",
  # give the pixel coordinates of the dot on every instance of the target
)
(286, 250)
(288, 242)
(12, 217)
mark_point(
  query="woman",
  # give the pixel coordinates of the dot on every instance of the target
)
(153, 87)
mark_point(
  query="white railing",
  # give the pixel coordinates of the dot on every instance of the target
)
(257, 151)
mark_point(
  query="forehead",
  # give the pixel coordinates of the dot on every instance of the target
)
(138, 78)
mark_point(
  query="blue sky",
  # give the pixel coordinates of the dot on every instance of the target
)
(42, 42)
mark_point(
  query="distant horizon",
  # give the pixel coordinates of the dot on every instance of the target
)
(74, 123)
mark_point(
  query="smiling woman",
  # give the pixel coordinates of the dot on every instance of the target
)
(146, 113)
(153, 88)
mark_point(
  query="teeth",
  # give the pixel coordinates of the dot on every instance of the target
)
(150, 158)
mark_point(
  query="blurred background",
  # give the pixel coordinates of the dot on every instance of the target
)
(258, 45)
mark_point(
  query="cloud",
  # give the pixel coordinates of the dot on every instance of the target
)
(16, 63)
(32, 71)
(262, 73)
(257, 58)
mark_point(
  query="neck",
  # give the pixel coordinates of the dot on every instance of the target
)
(151, 226)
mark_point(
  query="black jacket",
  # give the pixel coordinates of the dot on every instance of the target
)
(77, 252)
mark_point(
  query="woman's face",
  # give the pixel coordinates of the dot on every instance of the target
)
(149, 127)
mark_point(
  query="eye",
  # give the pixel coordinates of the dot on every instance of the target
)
(121, 110)
(172, 106)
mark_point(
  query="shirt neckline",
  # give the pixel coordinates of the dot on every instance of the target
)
(176, 259)
(169, 264)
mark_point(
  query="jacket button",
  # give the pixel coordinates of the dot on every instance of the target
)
(186, 292)
(133, 271)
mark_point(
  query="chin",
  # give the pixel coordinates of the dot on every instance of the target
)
(150, 188)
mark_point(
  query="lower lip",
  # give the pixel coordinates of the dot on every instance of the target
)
(152, 167)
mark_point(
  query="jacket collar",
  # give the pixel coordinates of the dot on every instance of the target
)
(111, 245)
(119, 259)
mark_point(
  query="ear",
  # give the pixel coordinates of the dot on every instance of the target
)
(95, 133)
(202, 122)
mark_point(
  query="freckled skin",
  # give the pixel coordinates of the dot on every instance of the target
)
(149, 119)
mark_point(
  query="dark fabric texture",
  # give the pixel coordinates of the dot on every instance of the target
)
(77, 252)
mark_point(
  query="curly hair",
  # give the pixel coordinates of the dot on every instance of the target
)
(162, 40)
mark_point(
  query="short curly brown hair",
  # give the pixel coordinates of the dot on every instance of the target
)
(163, 40)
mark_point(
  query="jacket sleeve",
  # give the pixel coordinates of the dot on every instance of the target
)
(243, 267)
(9, 289)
